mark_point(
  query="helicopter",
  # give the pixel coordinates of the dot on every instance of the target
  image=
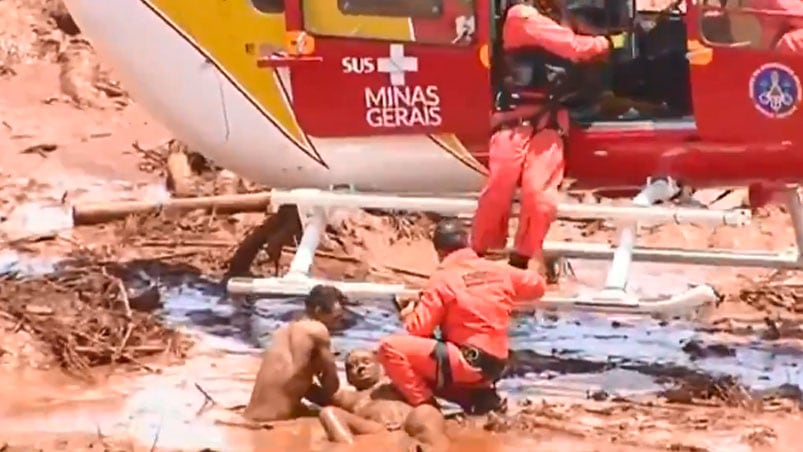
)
(364, 104)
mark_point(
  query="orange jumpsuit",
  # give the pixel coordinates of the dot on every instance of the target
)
(471, 300)
(516, 156)
(791, 41)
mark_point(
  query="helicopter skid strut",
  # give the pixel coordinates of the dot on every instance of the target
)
(315, 207)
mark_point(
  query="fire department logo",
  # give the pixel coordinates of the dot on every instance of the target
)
(775, 90)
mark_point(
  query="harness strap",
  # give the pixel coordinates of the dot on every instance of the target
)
(545, 118)
(491, 367)
(443, 369)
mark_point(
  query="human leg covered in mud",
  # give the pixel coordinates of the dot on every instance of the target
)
(374, 406)
(427, 426)
(299, 362)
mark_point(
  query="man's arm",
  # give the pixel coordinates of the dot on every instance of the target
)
(427, 313)
(525, 26)
(344, 398)
(327, 368)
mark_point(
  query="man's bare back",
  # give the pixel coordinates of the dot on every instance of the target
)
(299, 354)
(374, 406)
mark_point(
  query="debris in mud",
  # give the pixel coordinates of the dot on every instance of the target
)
(79, 72)
(57, 11)
(188, 173)
(774, 295)
(401, 225)
(685, 448)
(760, 436)
(84, 315)
(725, 389)
(534, 417)
(41, 149)
(697, 350)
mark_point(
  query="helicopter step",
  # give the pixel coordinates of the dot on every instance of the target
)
(315, 207)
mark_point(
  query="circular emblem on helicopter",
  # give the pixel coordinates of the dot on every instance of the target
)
(775, 90)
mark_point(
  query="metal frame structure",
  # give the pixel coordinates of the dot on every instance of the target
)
(315, 206)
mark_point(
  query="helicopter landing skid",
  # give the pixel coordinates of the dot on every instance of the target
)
(315, 206)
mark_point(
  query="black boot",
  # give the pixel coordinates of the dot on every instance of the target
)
(485, 400)
(519, 261)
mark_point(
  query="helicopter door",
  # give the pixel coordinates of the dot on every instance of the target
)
(744, 88)
(390, 67)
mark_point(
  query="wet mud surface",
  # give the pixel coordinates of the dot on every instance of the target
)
(561, 364)
(617, 355)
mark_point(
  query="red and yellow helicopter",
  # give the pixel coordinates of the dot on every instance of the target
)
(386, 104)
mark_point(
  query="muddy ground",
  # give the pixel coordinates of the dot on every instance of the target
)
(115, 336)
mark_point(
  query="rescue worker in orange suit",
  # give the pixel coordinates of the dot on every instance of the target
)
(527, 146)
(784, 33)
(471, 300)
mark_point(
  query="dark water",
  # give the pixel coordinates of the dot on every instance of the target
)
(595, 352)
(568, 354)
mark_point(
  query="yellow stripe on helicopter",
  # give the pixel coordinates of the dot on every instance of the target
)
(223, 30)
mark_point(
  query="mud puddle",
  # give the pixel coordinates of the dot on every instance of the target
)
(570, 354)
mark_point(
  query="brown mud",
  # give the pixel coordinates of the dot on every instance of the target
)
(160, 371)
(88, 318)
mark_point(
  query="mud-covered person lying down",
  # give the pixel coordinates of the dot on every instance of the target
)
(299, 363)
(374, 406)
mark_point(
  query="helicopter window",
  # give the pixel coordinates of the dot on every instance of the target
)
(418, 9)
(749, 24)
(448, 22)
(268, 6)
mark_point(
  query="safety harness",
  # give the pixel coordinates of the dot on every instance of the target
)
(550, 103)
(551, 82)
(491, 367)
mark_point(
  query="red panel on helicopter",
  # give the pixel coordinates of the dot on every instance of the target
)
(406, 68)
(749, 90)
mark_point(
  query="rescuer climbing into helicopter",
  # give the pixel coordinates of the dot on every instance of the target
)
(543, 60)
(470, 299)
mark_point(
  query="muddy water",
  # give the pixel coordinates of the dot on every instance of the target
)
(582, 351)
(576, 351)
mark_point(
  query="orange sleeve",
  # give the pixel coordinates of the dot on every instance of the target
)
(529, 285)
(428, 312)
(525, 26)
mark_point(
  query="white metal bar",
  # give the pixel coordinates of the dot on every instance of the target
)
(617, 302)
(314, 227)
(714, 257)
(295, 285)
(655, 191)
(454, 206)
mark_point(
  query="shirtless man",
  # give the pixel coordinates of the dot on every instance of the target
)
(299, 354)
(375, 407)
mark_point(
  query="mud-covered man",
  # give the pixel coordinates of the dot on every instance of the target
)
(374, 406)
(299, 362)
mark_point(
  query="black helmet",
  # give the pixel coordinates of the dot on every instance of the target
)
(450, 235)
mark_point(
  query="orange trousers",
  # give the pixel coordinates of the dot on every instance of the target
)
(408, 363)
(536, 162)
